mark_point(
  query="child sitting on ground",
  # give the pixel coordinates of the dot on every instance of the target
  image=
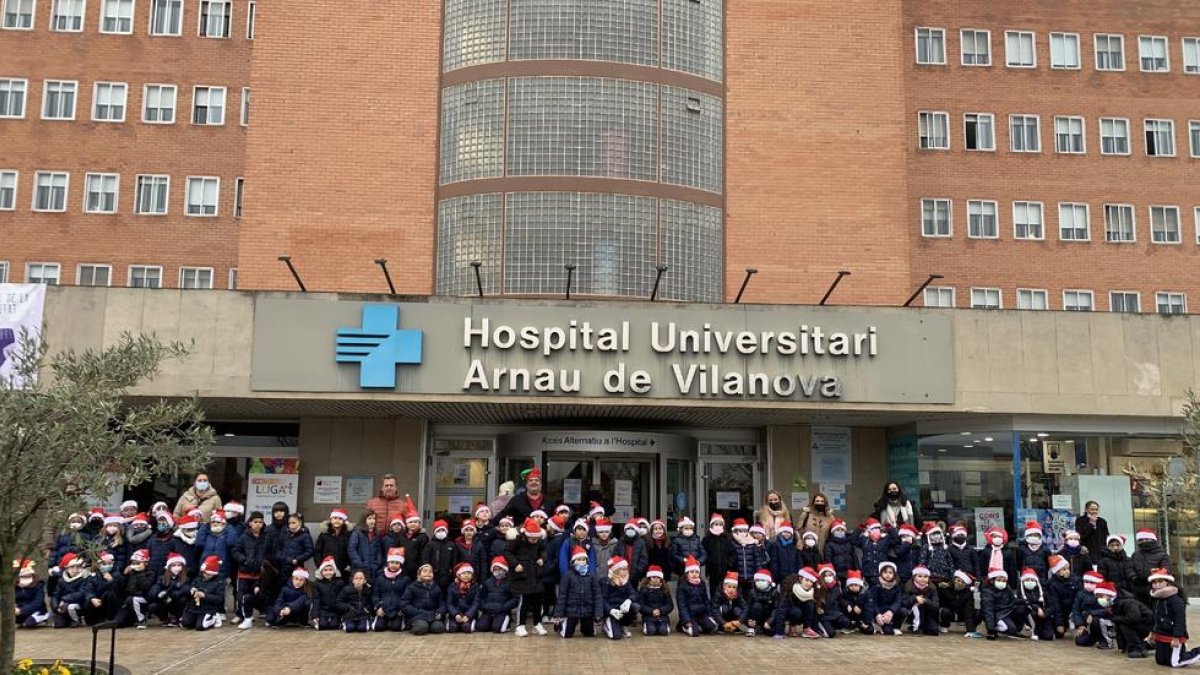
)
(655, 602)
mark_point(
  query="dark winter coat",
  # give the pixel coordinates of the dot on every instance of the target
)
(1092, 536)
(442, 554)
(176, 589)
(554, 552)
(365, 550)
(650, 599)
(692, 601)
(1117, 568)
(984, 556)
(293, 549)
(765, 599)
(78, 591)
(1129, 611)
(413, 546)
(119, 552)
(806, 557)
(785, 558)
(458, 602)
(189, 551)
(930, 593)
(422, 601)
(161, 546)
(965, 559)
(1170, 618)
(354, 604)
(1038, 561)
(496, 596)
(1079, 557)
(996, 604)
(637, 555)
(939, 560)
(1148, 557)
(250, 553)
(614, 596)
(111, 591)
(214, 593)
(32, 600)
(724, 609)
(519, 508)
(294, 598)
(69, 542)
(873, 553)
(682, 547)
(787, 602)
(526, 554)
(1086, 605)
(748, 559)
(886, 599)
(336, 545)
(862, 599)
(325, 597)
(658, 552)
(580, 596)
(386, 593)
(220, 545)
(905, 556)
(718, 555)
(840, 553)
(1034, 598)
(831, 606)
(1060, 596)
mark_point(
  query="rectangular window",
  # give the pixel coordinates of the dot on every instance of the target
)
(145, 276)
(202, 195)
(66, 16)
(239, 190)
(108, 102)
(1164, 225)
(58, 99)
(93, 275)
(233, 276)
(1152, 52)
(935, 218)
(166, 17)
(1068, 135)
(1073, 222)
(1119, 225)
(50, 191)
(1160, 138)
(1024, 133)
(933, 128)
(939, 296)
(214, 18)
(1114, 136)
(18, 14)
(1110, 52)
(986, 298)
(42, 273)
(8, 190)
(1171, 303)
(116, 16)
(151, 197)
(1078, 301)
(159, 106)
(976, 47)
(981, 220)
(1064, 51)
(1032, 298)
(1194, 135)
(3, 271)
(931, 46)
(250, 9)
(1125, 302)
(245, 106)
(195, 277)
(1019, 49)
(12, 97)
(100, 192)
(980, 131)
(1028, 222)
(208, 106)
(1191, 55)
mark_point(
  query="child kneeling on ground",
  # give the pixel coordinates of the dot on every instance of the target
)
(655, 602)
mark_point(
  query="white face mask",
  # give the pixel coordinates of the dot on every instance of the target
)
(1073, 543)
(687, 531)
(217, 528)
(201, 485)
(997, 541)
(25, 582)
(1034, 541)
(717, 530)
(440, 534)
(643, 531)
(112, 529)
(1001, 585)
(763, 585)
(75, 525)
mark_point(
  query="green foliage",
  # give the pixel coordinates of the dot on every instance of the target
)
(1173, 484)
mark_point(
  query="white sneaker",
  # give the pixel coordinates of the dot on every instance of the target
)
(521, 631)
(625, 633)
(246, 623)
(539, 629)
(220, 621)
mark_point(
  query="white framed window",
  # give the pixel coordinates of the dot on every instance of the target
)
(986, 298)
(1110, 51)
(233, 279)
(66, 16)
(1064, 51)
(42, 273)
(1120, 225)
(196, 277)
(1191, 55)
(1194, 135)
(1164, 225)
(1028, 221)
(58, 99)
(1019, 49)
(12, 97)
(250, 11)
(1068, 136)
(1114, 136)
(151, 195)
(1152, 54)
(1124, 302)
(1032, 298)
(1170, 303)
(1075, 300)
(202, 195)
(1074, 223)
(935, 218)
(939, 296)
(100, 192)
(981, 219)
(116, 16)
(145, 276)
(980, 130)
(1160, 138)
(1024, 133)
(166, 17)
(208, 106)
(245, 106)
(18, 14)
(108, 101)
(933, 130)
(50, 190)
(239, 191)
(931, 46)
(158, 105)
(215, 18)
(8, 190)
(3, 271)
(88, 274)
(976, 47)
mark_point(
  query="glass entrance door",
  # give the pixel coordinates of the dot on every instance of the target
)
(459, 482)
(626, 485)
(680, 491)
(728, 488)
(566, 480)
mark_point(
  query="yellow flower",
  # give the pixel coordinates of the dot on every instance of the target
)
(62, 670)
(24, 664)
(44, 671)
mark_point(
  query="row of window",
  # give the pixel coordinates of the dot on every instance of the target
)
(1073, 299)
(1074, 221)
(1021, 50)
(139, 276)
(111, 99)
(215, 17)
(101, 192)
(1070, 134)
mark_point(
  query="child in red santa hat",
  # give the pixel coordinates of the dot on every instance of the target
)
(580, 598)
(760, 605)
(462, 600)
(693, 602)
(442, 554)
(206, 606)
(527, 559)
(620, 600)
(1170, 622)
(386, 592)
(921, 603)
(729, 607)
(294, 604)
(171, 592)
(324, 613)
(496, 599)
(796, 613)
(30, 596)
(654, 600)
(856, 603)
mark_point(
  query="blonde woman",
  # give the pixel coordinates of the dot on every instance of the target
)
(773, 514)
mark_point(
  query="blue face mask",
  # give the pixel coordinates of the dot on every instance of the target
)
(163, 527)
(581, 568)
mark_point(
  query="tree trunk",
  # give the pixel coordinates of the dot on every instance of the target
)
(8, 604)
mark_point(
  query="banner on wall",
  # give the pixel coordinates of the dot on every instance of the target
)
(985, 518)
(21, 307)
(270, 480)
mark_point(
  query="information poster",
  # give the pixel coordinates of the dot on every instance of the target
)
(1054, 524)
(460, 504)
(986, 517)
(1061, 502)
(572, 490)
(21, 308)
(623, 492)
(831, 450)
(799, 500)
(729, 500)
(836, 492)
(359, 489)
(327, 489)
(622, 514)
(462, 473)
(270, 480)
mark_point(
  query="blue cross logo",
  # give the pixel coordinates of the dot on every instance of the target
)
(378, 346)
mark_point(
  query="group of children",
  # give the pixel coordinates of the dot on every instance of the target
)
(581, 575)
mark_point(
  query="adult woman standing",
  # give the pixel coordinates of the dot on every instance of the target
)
(773, 514)
(817, 518)
(200, 496)
(893, 509)
(1093, 531)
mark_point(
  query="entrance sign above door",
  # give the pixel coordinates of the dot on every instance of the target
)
(598, 442)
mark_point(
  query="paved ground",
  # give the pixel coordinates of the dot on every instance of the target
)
(294, 650)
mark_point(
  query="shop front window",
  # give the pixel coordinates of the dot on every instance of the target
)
(967, 478)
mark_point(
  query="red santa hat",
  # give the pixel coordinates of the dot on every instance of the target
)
(997, 573)
(1029, 573)
(339, 513)
(740, 523)
(395, 554)
(506, 520)
(441, 525)
(964, 577)
(563, 509)
(763, 575)
(716, 517)
(70, 558)
(642, 521)
(141, 518)
(558, 523)
(469, 523)
(1115, 537)
(873, 524)
(577, 552)
(931, 527)
(907, 530)
(533, 473)
(1032, 527)
(603, 525)
(758, 529)
(1161, 573)
(76, 516)
(114, 519)
(396, 520)
(1092, 577)
(197, 514)
(129, 504)
(920, 570)
(580, 524)
(140, 555)
(218, 516)
(886, 564)
(532, 529)
(500, 562)
(96, 513)
(690, 564)
(188, 523)
(958, 528)
(166, 515)
(410, 510)
(654, 572)
(811, 574)
(1107, 588)
(234, 507)
(659, 521)
(538, 513)
(785, 526)
(1057, 562)
(838, 524)
(24, 567)
(828, 567)
(854, 578)
(106, 556)
(731, 578)
(211, 565)
(300, 573)
(329, 562)
(616, 563)
(595, 509)
(481, 506)
(176, 559)
(1145, 534)
(463, 567)
(686, 522)
(995, 531)
(809, 535)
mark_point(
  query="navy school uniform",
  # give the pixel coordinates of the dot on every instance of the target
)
(806, 557)
(294, 549)
(785, 557)
(939, 561)
(1002, 613)
(462, 602)
(682, 547)
(925, 617)
(1038, 560)
(840, 553)
(1170, 623)
(1036, 600)
(791, 610)
(856, 605)
(160, 546)
(31, 605)
(386, 594)
(1133, 620)
(423, 607)
(718, 559)
(747, 559)
(356, 608)
(71, 598)
(658, 552)
(905, 556)
(983, 559)
(442, 554)
(527, 583)
(760, 606)
(414, 548)
(189, 550)
(365, 550)
(873, 553)
(1060, 599)
(472, 554)
(119, 552)
(652, 599)
(170, 596)
(1087, 613)
(830, 617)
(496, 603)
(68, 542)
(324, 613)
(296, 600)
(135, 606)
(728, 610)
(1117, 568)
(580, 601)
(204, 613)
(622, 599)
(965, 559)
(888, 600)
(959, 605)
(221, 545)
(695, 609)
(250, 554)
(638, 556)
(334, 544)
(111, 592)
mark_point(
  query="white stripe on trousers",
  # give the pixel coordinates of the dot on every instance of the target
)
(1177, 653)
(138, 603)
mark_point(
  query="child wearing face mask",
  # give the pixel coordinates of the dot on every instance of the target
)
(1084, 606)
(643, 529)
(216, 540)
(138, 580)
(759, 533)
(1148, 557)
(527, 558)
(172, 591)
(686, 543)
(761, 603)
(958, 604)
(324, 614)
(749, 555)
(250, 552)
(578, 538)
(994, 553)
(655, 603)
(921, 602)
(1032, 553)
(935, 555)
(905, 552)
(1096, 628)
(441, 554)
(467, 546)
(887, 601)
(109, 590)
(423, 605)
(386, 592)
(74, 592)
(137, 533)
(1033, 596)
(961, 552)
(830, 618)
(294, 604)
(112, 539)
(694, 603)
(70, 540)
(556, 535)
(783, 553)
(413, 539)
(462, 600)
(856, 603)
(30, 596)
(355, 605)
(633, 549)
(205, 604)
(1075, 553)
(808, 554)
(1061, 591)
(796, 612)
(839, 550)
(729, 607)
(1170, 622)
(504, 532)
(187, 534)
(162, 544)
(718, 552)
(580, 598)
(295, 547)
(620, 600)
(1002, 614)
(876, 549)
(1115, 564)
(496, 600)
(334, 540)
(658, 549)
